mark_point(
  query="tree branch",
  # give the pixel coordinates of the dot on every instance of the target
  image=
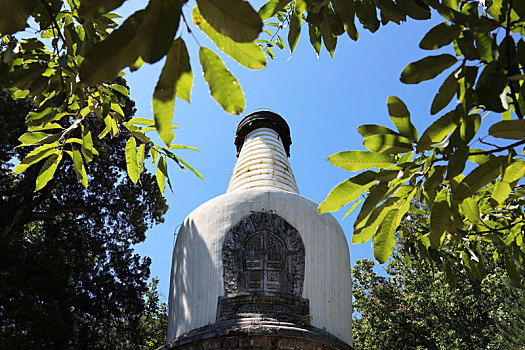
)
(498, 149)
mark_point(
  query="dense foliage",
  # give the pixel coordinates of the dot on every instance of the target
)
(68, 275)
(415, 307)
(467, 167)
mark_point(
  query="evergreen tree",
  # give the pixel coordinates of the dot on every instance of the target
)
(68, 275)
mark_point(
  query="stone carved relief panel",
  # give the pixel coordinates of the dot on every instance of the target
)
(263, 254)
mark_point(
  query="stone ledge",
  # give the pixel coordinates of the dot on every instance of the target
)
(257, 333)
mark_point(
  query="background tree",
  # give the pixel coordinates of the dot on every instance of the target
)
(415, 307)
(68, 274)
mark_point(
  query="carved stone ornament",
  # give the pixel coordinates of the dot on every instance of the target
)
(263, 255)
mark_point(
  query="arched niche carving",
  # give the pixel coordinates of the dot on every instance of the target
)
(263, 255)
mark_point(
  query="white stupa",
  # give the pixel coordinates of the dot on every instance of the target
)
(258, 267)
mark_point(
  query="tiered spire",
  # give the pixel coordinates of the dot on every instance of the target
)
(263, 147)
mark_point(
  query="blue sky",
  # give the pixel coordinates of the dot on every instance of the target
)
(323, 100)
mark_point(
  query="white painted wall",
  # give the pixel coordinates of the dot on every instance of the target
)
(197, 282)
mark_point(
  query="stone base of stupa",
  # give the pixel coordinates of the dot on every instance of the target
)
(258, 333)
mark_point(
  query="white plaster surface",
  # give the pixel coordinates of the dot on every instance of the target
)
(263, 163)
(197, 275)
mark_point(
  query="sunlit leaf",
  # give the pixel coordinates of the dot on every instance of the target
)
(478, 178)
(385, 237)
(271, 8)
(357, 160)
(347, 191)
(372, 129)
(78, 165)
(35, 156)
(439, 218)
(176, 78)
(388, 143)
(469, 207)
(132, 162)
(401, 118)
(248, 54)
(48, 170)
(437, 131)
(224, 88)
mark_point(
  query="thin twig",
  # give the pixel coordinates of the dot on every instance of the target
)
(498, 149)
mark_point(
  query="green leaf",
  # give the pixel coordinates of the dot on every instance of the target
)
(439, 36)
(117, 51)
(329, 39)
(249, 54)
(31, 138)
(491, 89)
(345, 10)
(87, 145)
(372, 129)
(385, 237)
(234, 18)
(426, 68)
(484, 46)
(512, 271)
(414, 9)
(14, 15)
(390, 10)
(375, 196)
(401, 118)
(457, 161)
(479, 177)
(162, 173)
(132, 162)
(445, 94)
(509, 129)
(388, 143)
(437, 131)
(347, 191)
(176, 78)
(367, 14)
(315, 37)
(121, 89)
(357, 160)
(295, 30)
(224, 88)
(36, 155)
(469, 207)
(160, 23)
(271, 8)
(439, 218)
(78, 164)
(514, 172)
(47, 171)
(90, 9)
